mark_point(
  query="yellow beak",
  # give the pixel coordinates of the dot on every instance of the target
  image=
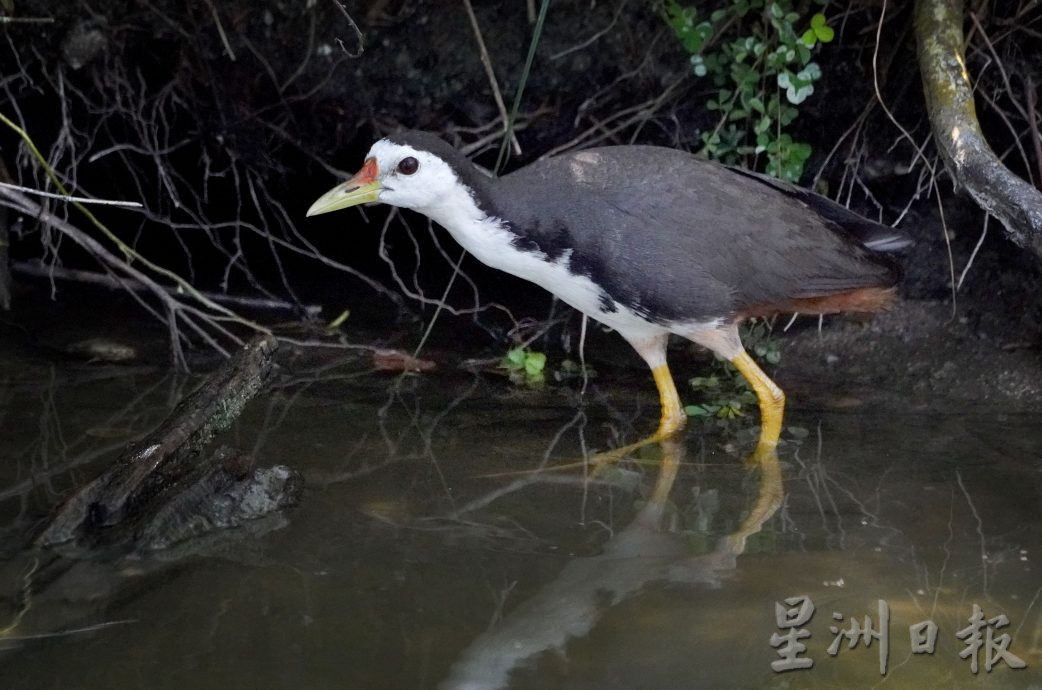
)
(363, 188)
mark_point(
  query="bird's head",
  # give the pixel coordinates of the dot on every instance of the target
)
(414, 170)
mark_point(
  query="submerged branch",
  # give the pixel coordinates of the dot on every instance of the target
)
(146, 470)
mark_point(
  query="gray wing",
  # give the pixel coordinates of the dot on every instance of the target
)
(665, 232)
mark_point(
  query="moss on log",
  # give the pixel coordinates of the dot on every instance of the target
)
(170, 452)
(949, 100)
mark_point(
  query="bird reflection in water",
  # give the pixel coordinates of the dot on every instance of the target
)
(642, 553)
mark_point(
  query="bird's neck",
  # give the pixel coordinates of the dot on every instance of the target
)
(474, 225)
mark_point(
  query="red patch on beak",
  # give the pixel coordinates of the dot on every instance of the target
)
(367, 174)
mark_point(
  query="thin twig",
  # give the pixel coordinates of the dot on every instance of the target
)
(359, 36)
(26, 20)
(879, 95)
(220, 30)
(128, 252)
(64, 197)
(636, 113)
(40, 270)
(592, 39)
(486, 62)
(1036, 141)
(948, 247)
(973, 254)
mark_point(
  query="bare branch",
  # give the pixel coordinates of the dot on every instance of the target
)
(359, 36)
(65, 197)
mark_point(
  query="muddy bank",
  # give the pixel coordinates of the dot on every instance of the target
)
(915, 357)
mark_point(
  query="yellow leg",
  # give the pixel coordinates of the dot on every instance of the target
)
(769, 498)
(673, 417)
(671, 421)
(772, 400)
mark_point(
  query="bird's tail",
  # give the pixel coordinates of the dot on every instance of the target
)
(883, 239)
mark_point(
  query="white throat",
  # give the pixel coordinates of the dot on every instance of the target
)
(491, 242)
(483, 235)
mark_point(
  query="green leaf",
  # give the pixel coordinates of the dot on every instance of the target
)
(705, 382)
(803, 53)
(809, 38)
(797, 95)
(821, 29)
(515, 358)
(338, 321)
(729, 412)
(535, 362)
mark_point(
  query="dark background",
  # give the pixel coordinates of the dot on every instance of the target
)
(142, 101)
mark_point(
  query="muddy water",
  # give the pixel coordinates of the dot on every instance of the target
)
(447, 538)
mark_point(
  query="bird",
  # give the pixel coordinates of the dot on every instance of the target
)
(650, 241)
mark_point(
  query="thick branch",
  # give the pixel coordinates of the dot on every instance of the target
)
(949, 99)
(169, 452)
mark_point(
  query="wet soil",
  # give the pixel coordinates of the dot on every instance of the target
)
(917, 355)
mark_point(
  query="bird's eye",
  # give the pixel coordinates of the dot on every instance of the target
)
(407, 166)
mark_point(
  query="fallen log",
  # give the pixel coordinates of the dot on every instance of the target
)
(162, 475)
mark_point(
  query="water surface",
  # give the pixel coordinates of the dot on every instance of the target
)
(447, 537)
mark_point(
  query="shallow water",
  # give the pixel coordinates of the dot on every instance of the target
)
(439, 542)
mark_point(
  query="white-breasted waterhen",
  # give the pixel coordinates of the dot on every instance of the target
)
(647, 240)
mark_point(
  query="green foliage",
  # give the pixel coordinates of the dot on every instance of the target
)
(759, 63)
(728, 397)
(525, 365)
(759, 339)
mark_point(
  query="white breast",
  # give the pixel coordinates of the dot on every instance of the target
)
(489, 240)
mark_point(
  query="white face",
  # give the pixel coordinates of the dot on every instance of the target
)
(412, 179)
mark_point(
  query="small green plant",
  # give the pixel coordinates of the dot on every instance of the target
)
(758, 337)
(759, 63)
(525, 365)
(727, 394)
